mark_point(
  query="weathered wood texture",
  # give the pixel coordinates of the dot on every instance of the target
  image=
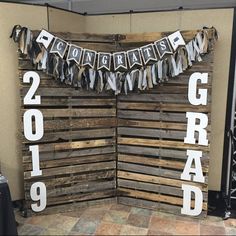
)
(95, 143)
(150, 143)
(78, 148)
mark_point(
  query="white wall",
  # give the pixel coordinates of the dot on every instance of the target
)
(10, 118)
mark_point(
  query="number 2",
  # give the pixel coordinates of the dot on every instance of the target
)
(30, 98)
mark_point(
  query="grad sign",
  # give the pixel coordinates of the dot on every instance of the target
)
(197, 122)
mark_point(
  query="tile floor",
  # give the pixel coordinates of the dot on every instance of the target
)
(116, 219)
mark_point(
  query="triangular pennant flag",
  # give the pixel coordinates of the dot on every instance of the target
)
(59, 46)
(176, 40)
(45, 38)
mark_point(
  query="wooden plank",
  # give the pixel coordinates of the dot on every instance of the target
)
(41, 73)
(74, 179)
(100, 47)
(144, 97)
(86, 37)
(75, 145)
(79, 123)
(148, 132)
(155, 133)
(52, 83)
(78, 102)
(148, 161)
(173, 86)
(124, 38)
(146, 115)
(153, 36)
(65, 92)
(167, 173)
(157, 152)
(152, 151)
(158, 180)
(79, 188)
(161, 143)
(156, 197)
(71, 161)
(165, 98)
(88, 187)
(77, 134)
(174, 191)
(152, 124)
(132, 184)
(69, 112)
(74, 169)
(162, 106)
(72, 153)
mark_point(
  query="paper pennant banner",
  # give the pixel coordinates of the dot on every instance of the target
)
(74, 53)
(59, 46)
(163, 47)
(176, 40)
(104, 61)
(45, 38)
(119, 59)
(148, 53)
(89, 58)
(134, 58)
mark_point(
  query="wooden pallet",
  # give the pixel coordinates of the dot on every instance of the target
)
(78, 149)
(151, 151)
(97, 146)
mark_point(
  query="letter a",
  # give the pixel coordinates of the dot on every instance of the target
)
(186, 210)
(197, 171)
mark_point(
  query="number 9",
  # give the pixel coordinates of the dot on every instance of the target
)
(38, 193)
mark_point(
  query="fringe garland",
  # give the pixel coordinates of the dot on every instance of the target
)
(143, 78)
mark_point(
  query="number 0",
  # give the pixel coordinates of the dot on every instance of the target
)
(28, 125)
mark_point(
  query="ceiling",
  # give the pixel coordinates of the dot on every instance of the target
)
(119, 6)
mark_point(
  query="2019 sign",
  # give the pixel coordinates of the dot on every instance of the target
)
(34, 133)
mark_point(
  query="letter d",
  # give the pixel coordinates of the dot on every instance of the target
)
(187, 189)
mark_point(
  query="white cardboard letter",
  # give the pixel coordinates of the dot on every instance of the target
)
(192, 127)
(192, 89)
(197, 171)
(186, 209)
(28, 125)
